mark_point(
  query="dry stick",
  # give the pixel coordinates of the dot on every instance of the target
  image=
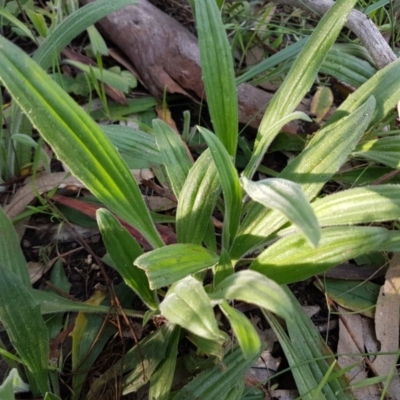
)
(357, 22)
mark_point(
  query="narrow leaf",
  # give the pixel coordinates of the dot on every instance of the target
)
(216, 382)
(162, 379)
(171, 263)
(197, 200)
(123, 250)
(300, 78)
(291, 259)
(245, 332)
(288, 198)
(218, 73)
(230, 186)
(174, 153)
(254, 288)
(11, 256)
(187, 304)
(30, 338)
(72, 26)
(309, 356)
(65, 126)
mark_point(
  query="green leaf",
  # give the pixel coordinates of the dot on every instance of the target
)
(273, 130)
(254, 288)
(161, 381)
(133, 142)
(291, 259)
(224, 268)
(357, 296)
(30, 338)
(218, 73)
(187, 305)
(116, 79)
(384, 151)
(12, 384)
(384, 86)
(300, 78)
(218, 381)
(230, 186)
(17, 23)
(311, 169)
(124, 250)
(197, 200)
(171, 263)
(137, 365)
(51, 303)
(65, 126)
(288, 198)
(85, 349)
(359, 206)
(245, 332)
(174, 153)
(309, 357)
(72, 26)
(11, 256)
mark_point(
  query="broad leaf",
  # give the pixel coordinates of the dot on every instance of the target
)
(65, 126)
(187, 304)
(218, 73)
(230, 187)
(291, 259)
(359, 206)
(197, 200)
(171, 263)
(254, 288)
(123, 250)
(288, 198)
(325, 154)
(385, 151)
(244, 330)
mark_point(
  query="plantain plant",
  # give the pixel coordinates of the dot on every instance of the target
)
(280, 228)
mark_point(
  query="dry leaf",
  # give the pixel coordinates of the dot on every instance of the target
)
(387, 325)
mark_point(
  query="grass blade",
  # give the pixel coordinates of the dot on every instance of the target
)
(72, 26)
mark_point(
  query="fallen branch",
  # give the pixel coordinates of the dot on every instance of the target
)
(166, 55)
